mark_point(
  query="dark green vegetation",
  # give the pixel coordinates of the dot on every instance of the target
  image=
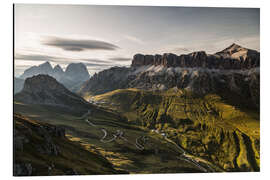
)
(43, 149)
(219, 130)
(137, 150)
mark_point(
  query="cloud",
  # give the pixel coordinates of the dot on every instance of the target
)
(34, 57)
(179, 49)
(97, 65)
(134, 39)
(78, 45)
(95, 60)
(62, 60)
(122, 59)
(93, 65)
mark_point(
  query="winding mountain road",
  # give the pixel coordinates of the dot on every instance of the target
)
(119, 134)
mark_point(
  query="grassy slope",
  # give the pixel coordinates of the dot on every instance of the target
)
(159, 156)
(72, 156)
(208, 126)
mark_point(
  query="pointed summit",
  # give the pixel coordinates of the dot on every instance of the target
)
(234, 46)
(44, 68)
(47, 64)
(58, 72)
(236, 51)
(232, 49)
(58, 68)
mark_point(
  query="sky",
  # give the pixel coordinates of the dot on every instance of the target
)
(106, 36)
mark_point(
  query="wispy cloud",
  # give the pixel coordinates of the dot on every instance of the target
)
(92, 65)
(34, 57)
(78, 44)
(122, 59)
(134, 39)
(182, 50)
(63, 60)
(98, 65)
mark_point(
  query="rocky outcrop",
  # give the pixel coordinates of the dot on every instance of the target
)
(44, 89)
(233, 57)
(24, 130)
(244, 83)
(22, 169)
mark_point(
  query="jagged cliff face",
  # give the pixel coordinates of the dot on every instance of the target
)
(233, 57)
(107, 80)
(245, 83)
(233, 71)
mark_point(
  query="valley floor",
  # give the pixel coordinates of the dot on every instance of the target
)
(143, 132)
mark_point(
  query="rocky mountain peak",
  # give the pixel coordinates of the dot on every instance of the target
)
(58, 68)
(72, 78)
(77, 71)
(233, 57)
(232, 49)
(238, 52)
(41, 83)
(46, 66)
(44, 89)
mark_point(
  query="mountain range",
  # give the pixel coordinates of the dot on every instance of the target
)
(165, 113)
(74, 75)
(233, 57)
(234, 70)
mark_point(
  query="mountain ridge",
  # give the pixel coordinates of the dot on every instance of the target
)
(232, 57)
(44, 89)
(72, 78)
(166, 74)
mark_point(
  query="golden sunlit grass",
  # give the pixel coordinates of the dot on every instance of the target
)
(210, 125)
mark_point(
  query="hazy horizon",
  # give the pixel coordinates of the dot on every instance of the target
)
(106, 36)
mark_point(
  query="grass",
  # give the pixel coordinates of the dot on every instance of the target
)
(226, 134)
(123, 155)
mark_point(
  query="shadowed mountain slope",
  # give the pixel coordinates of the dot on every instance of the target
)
(44, 89)
(43, 149)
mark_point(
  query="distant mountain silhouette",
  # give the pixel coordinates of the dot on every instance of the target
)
(72, 78)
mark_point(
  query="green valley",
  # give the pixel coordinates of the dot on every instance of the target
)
(224, 134)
